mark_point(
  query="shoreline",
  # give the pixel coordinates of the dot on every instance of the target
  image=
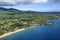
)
(19, 30)
(10, 33)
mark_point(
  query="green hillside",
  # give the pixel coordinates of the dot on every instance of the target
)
(13, 19)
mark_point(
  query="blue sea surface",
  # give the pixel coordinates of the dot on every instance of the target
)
(41, 32)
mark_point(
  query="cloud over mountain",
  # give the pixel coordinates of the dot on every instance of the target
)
(14, 2)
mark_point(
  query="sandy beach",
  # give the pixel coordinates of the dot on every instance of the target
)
(10, 33)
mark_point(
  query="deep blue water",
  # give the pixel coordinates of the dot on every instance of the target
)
(43, 32)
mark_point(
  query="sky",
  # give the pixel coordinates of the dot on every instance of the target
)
(33, 5)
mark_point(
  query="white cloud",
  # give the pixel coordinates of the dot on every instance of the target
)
(13, 2)
(7, 2)
(40, 1)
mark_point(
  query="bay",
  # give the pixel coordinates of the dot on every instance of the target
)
(41, 32)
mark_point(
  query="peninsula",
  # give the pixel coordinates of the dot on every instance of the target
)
(14, 20)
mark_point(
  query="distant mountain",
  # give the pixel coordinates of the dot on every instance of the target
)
(12, 10)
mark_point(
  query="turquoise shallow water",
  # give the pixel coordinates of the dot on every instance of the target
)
(43, 32)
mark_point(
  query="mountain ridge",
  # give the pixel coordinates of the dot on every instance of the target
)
(29, 11)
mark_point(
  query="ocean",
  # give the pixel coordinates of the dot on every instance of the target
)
(40, 32)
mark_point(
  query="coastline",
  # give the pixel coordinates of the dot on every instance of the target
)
(10, 33)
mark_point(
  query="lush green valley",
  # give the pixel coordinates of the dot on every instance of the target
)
(13, 19)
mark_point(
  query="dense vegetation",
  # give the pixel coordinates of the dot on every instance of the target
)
(13, 19)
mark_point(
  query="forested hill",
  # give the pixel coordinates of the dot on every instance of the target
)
(14, 19)
(13, 11)
(16, 11)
